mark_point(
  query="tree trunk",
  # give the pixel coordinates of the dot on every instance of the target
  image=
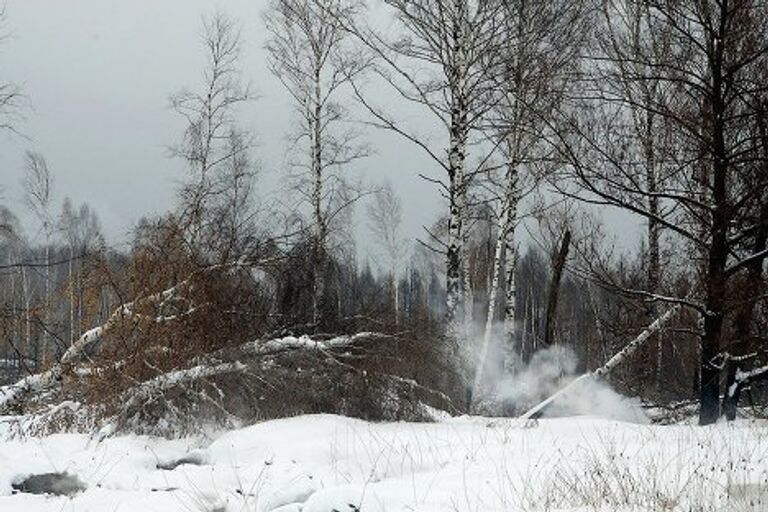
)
(71, 299)
(752, 288)
(554, 288)
(455, 239)
(709, 392)
(395, 294)
(739, 381)
(457, 188)
(46, 301)
(468, 296)
(511, 343)
(654, 228)
(493, 293)
(319, 252)
(26, 292)
(717, 257)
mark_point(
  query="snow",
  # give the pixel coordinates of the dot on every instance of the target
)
(322, 463)
(305, 342)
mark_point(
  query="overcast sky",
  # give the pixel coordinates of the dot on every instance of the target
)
(98, 74)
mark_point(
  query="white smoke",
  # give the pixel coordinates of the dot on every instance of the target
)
(549, 371)
(593, 397)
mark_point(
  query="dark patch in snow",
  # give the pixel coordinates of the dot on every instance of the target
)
(59, 484)
(194, 458)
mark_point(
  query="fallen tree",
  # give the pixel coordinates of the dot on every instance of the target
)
(13, 394)
(603, 371)
(741, 380)
(370, 375)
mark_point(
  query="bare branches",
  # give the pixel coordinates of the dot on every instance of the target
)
(219, 190)
(38, 186)
(309, 53)
(11, 97)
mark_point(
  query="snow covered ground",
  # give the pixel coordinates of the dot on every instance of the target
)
(327, 463)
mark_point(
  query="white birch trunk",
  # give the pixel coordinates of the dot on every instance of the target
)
(468, 296)
(396, 294)
(316, 156)
(147, 390)
(459, 130)
(46, 338)
(632, 347)
(453, 263)
(27, 313)
(71, 299)
(511, 343)
(502, 227)
(504, 254)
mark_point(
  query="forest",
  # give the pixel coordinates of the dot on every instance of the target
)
(545, 118)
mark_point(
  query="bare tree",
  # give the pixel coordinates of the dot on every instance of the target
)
(309, 53)
(212, 145)
(540, 47)
(38, 188)
(441, 60)
(82, 232)
(710, 75)
(631, 31)
(11, 97)
(385, 215)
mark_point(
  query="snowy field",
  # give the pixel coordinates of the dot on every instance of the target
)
(328, 463)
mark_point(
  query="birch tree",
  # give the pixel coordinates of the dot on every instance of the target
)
(385, 214)
(308, 52)
(632, 32)
(541, 46)
(38, 189)
(212, 142)
(539, 50)
(603, 371)
(81, 231)
(439, 61)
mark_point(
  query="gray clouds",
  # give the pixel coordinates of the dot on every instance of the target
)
(98, 74)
